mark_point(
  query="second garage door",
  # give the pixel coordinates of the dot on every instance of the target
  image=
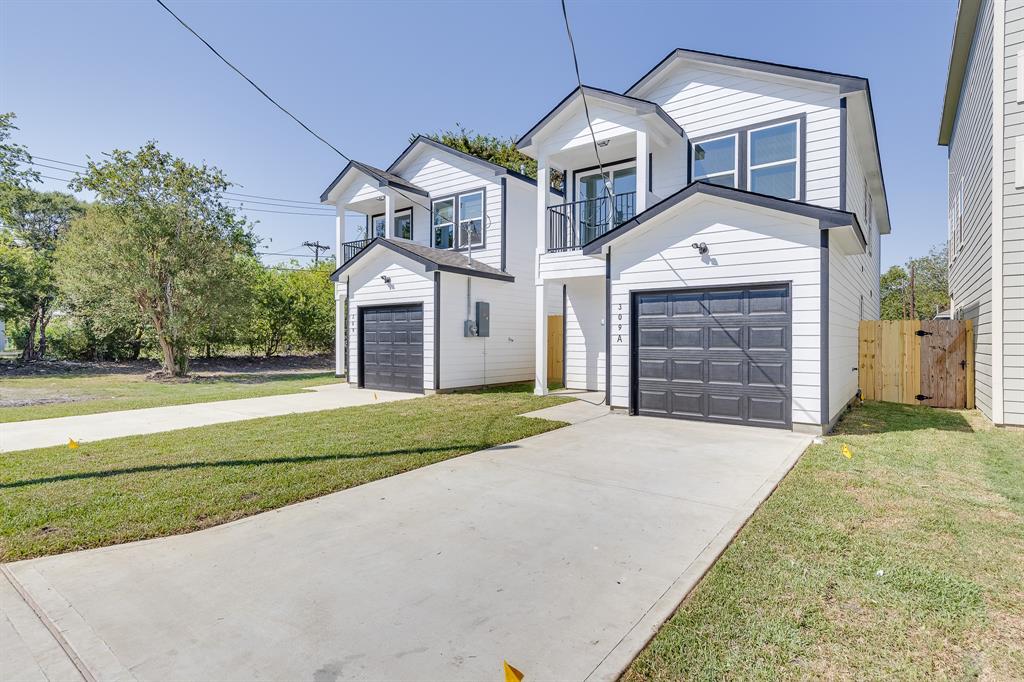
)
(391, 350)
(714, 355)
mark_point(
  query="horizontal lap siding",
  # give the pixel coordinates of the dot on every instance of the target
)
(970, 158)
(1013, 226)
(566, 264)
(408, 285)
(853, 294)
(747, 247)
(443, 175)
(585, 334)
(707, 100)
(606, 121)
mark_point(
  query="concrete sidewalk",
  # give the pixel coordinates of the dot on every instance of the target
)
(90, 427)
(561, 553)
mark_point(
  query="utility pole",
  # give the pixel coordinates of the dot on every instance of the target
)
(317, 247)
(913, 294)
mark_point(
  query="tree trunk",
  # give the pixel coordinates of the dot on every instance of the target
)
(44, 319)
(28, 352)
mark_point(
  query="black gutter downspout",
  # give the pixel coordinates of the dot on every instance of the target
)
(504, 220)
(608, 329)
(437, 330)
(823, 370)
(565, 322)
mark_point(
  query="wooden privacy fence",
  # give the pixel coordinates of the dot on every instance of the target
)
(917, 362)
(555, 342)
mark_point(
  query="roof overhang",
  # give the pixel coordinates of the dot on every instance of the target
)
(843, 224)
(421, 143)
(374, 175)
(639, 107)
(460, 264)
(959, 54)
(844, 82)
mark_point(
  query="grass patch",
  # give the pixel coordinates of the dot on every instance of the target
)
(55, 500)
(904, 562)
(95, 393)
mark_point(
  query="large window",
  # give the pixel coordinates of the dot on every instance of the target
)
(378, 225)
(715, 161)
(765, 159)
(465, 211)
(471, 219)
(403, 224)
(773, 160)
(444, 223)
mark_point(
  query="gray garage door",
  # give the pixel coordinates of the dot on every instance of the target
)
(714, 355)
(391, 351)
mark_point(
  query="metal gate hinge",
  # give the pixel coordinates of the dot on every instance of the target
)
(922, 396)
(921, 332)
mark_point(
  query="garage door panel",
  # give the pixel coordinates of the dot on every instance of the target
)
(719, 355)
(392, 347)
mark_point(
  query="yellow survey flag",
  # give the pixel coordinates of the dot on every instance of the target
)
(511, 674)
(847, 452)
(72, 443)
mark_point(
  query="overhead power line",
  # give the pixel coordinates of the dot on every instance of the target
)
(586, 109)
(63, 163)
(276, 103)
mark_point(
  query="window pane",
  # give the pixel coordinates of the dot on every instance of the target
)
(443, 237)
(471, 229)
(624, 181)
(471, 206)
(403, 226)
(773, 144)
(378, 226)
(592, 186)
(724, 180)
(779, 181)
(444, 211)
(716, 156)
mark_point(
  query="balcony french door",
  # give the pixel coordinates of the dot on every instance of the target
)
(597, 217)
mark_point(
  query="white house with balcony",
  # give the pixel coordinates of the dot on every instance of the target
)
(715, 247)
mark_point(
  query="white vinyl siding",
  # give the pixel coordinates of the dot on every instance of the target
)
(409, 284)
(1013, 218)
(706, 100)
(584, 333)
(970, 162)
(748, 246)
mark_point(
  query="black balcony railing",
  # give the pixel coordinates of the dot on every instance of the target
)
(350, 249)
(572, 225)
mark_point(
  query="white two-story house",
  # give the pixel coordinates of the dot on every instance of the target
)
(715, 248)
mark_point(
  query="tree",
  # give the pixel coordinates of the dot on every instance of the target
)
(920, 296)
(14, 177)
(271, 309)
(160, 240)
(312, 295)
(36, 221)
(499, 150)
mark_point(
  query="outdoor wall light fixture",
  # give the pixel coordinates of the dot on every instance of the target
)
(386, 279)
(603, 143)
(701, 248)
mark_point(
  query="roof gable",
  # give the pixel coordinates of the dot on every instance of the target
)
(421, 143)
(383, 179)
(431, 259)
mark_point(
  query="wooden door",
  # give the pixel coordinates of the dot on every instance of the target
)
(556, 342)
(943, 363)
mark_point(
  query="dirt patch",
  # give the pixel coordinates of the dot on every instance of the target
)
(219, 366)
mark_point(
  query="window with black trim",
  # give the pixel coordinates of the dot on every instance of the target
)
(763, 158)
(403, 224)
(378, 225)
(715, 160)
(466, 211)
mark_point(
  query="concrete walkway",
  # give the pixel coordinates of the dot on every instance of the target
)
(41, 433)
(561, 553)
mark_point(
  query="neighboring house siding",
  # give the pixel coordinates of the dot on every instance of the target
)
(585, 333)
(408, 285)
(706, 100)
(747, 246)
(1013, 223)
(443, 175)
(970, 162)
(566, 264)
(853, 291)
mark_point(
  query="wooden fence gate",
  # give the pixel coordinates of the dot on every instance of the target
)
(556, 341)
(917, 362)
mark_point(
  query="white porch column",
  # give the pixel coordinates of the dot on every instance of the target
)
(641, 170)
(389, 214)
(540, 386)
(340, 326)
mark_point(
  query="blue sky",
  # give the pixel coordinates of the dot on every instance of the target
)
(86, 77)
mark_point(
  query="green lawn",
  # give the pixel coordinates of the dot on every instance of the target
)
(904, 562)
(96, 393)
(55, 499)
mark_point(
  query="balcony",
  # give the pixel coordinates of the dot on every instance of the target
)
(350, 249)
(572, 225)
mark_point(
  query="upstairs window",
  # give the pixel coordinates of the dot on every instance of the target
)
(773, 160)
(403, 224)
(471, 219)
(444, 223)
(378, 226)
(715, 161)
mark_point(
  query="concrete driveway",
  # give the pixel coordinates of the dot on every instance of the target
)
(41, 433)
(561, 553)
